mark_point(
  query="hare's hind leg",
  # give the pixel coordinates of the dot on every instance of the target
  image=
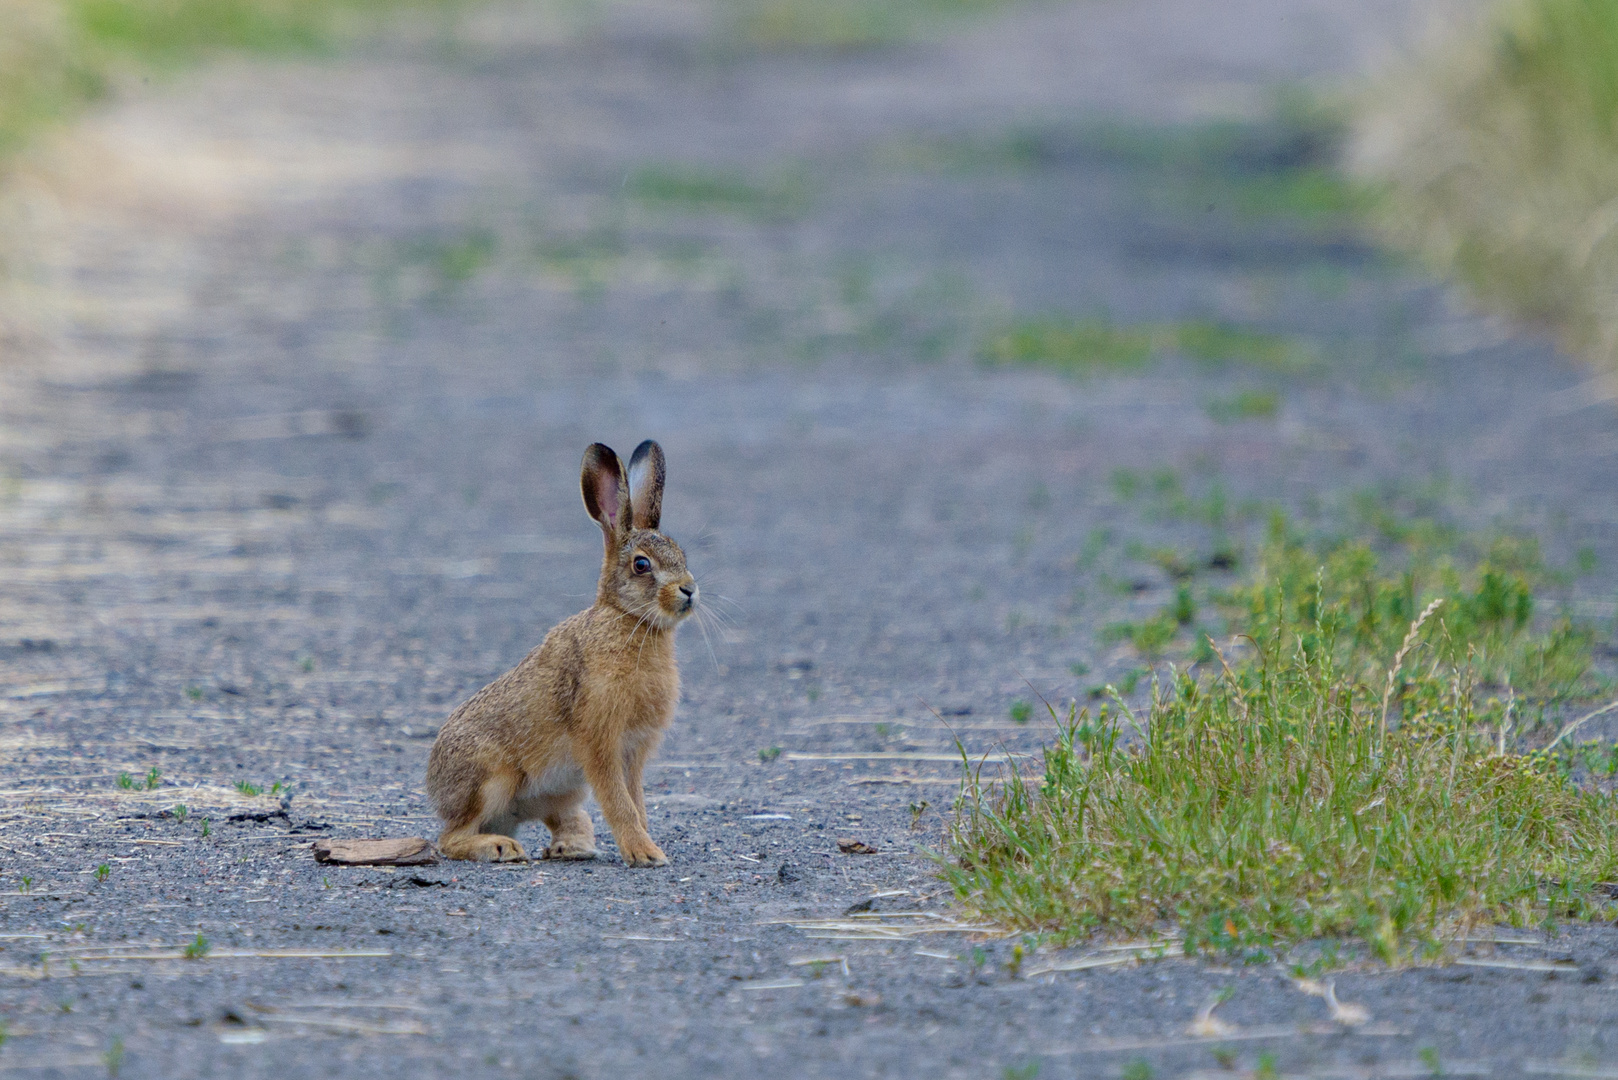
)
(573, 834)
(477, 833)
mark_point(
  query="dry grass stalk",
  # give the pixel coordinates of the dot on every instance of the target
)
(1516, 965)
(1412, 638)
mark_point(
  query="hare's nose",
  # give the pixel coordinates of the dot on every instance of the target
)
(690, 594)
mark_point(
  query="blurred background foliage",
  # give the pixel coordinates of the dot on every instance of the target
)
(840, 24)
(1498, 151)
(58, 55)
(1495, 148)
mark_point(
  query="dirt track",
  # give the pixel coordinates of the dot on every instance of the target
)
(302, 360)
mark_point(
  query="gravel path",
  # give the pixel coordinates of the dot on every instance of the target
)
(302, 358)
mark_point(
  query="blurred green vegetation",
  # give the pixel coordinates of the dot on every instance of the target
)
(1096, 346)
(715, 190)
(1075, 346)
(1245, 405)
(841, 24)
(1285, 166)
(1499, 150)
(58, 55)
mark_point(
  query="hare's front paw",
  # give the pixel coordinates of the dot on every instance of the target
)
(485, 847)
(569, 849)
(644, 853)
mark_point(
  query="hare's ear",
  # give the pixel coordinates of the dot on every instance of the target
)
(606, 493)
(646, 484)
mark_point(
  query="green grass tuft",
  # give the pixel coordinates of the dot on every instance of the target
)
(1485, 620)
(1353, 772)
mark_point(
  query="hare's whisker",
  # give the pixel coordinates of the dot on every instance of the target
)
(720, 619)
(702, 625)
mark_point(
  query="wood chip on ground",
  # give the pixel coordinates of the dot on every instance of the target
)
(410, 851)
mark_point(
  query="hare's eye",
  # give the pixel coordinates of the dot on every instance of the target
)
(642, 564)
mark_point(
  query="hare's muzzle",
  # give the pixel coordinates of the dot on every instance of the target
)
(688, 597)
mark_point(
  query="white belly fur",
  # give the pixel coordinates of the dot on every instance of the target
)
(559, 779)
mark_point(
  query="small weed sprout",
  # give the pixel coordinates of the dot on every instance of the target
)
(206, 830)
(249, 789)
(1021, 1072)
(5, 1032)
(113, 1059)
(1137, 1069)
(125, 782)
(1429, 1057)
(27, 885)
(917, 809)
(1266, 1068)
(1021, 711)
(103, 872)
(153, 778)
(197, 949)
(769, 754)
(194, 693)
(1225, 1057)
(180, 812)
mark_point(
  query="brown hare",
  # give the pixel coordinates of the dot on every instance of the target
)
(588, 706)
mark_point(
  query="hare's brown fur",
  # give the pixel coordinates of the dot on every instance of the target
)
(587, 707)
